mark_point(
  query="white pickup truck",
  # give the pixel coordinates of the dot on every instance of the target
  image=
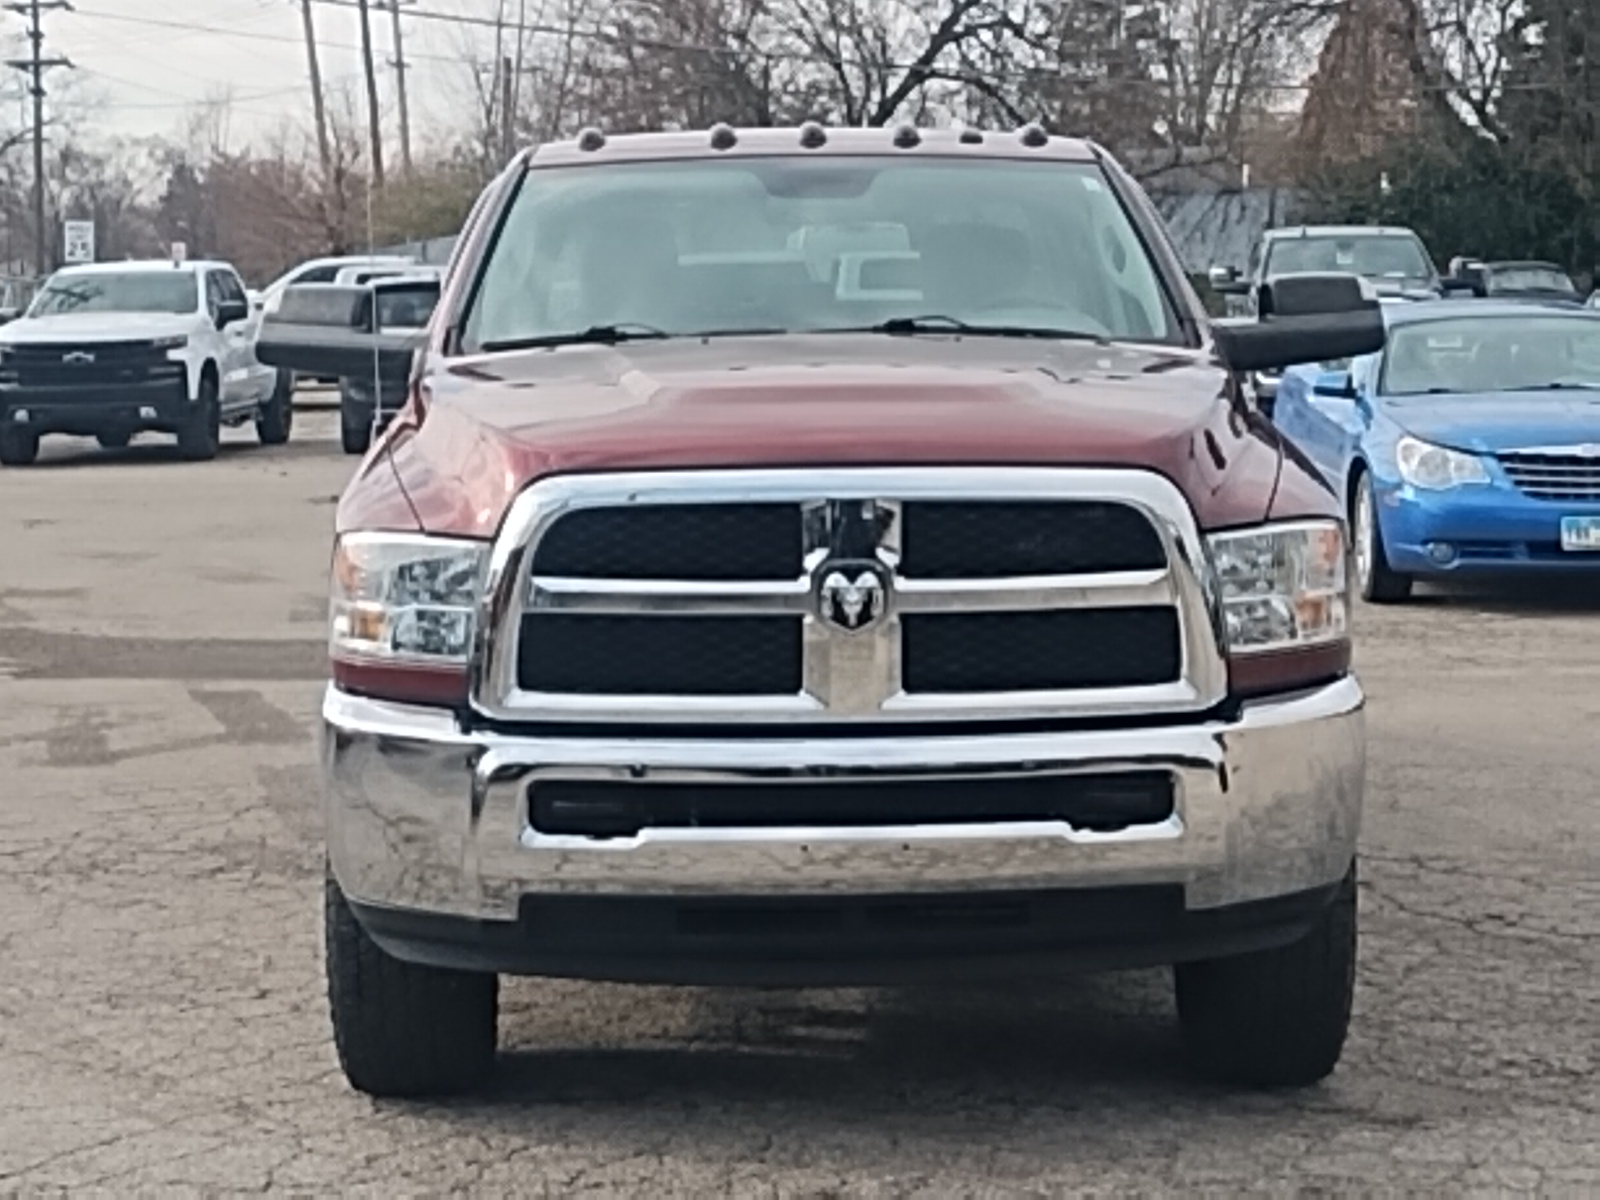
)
(110, 350)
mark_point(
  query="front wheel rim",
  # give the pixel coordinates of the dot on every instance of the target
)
(1365, 550)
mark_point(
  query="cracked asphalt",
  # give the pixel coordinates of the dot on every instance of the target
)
(162, 1019)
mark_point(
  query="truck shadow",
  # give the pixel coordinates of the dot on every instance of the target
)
(831, 1060)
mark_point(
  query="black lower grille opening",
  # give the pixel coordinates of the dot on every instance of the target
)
(659, 655)
(982, 922)
(607, 809)
(1040, 651)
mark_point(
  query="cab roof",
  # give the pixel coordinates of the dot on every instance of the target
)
(188, 266)
(593, 146)
(1283, 232)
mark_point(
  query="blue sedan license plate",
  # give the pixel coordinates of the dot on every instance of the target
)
(1580, 533)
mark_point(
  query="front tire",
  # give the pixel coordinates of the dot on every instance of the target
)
(202, 429)
(355, 435)
(404, 1030)
(275, 417)
(1376, 580)
(1275, 1018)
(18, 449)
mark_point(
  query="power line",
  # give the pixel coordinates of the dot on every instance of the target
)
(250, 34)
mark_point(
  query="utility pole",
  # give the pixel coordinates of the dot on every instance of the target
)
(374, 123)
(36, 65)
(318, 107)
(399, 65)
(508, 118)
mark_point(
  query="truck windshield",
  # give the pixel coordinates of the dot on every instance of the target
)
(166, 291)
(1475, 355)
(1531, 278)
(816, 244)
(1376, 256)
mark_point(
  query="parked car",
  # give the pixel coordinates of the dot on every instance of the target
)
(1469, 445)
(110, 350)
(1392, 258)
(1507, 280)
(367, 273)
(326, 270)
(702, 619)
(403, 305)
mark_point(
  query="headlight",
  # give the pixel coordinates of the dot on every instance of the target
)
(1424, 465)
(171, 343)
(405, 598)
(1281, 586)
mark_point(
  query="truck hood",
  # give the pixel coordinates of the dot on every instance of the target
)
(492, 425)
(1501, 420)
(95, 327)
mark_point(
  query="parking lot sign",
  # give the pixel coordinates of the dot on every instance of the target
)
(80, 241)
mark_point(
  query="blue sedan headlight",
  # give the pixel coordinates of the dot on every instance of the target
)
(1434, 468)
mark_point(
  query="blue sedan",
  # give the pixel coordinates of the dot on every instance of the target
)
(1469, 444)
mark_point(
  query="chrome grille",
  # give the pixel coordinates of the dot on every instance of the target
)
(895, 594)
(1553, 476)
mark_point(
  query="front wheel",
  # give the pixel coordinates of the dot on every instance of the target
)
(355, 435)
(18, 448)
(1377, 581)
(275, 417)
(1275, 1018)
(402, 1029)
(202, 427)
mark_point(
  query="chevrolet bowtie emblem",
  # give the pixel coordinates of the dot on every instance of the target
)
(77, 356)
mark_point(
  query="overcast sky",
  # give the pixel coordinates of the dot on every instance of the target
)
(151, 60)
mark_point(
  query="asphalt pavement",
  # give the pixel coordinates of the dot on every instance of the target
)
(162, 1015)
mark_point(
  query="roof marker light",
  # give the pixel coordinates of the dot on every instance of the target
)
(723, 136)
(971, 137)
(906, 136)
(812, 135)
(591, 139)
(1033, 136)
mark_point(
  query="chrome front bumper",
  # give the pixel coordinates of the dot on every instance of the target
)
(425, 817)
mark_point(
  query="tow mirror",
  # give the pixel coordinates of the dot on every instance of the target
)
(1225, 281)
(1335, 384)
(1304, 318)
(324, 329)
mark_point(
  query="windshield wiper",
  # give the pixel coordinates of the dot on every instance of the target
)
(1557, 385)
(938, 323)
(611, 335)
(595, 335)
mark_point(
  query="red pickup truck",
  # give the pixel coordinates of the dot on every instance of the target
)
(833, 557)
